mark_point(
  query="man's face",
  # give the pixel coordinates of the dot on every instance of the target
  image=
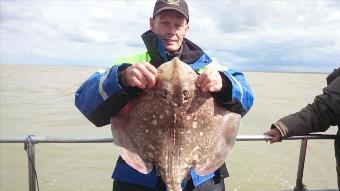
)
(172, 27)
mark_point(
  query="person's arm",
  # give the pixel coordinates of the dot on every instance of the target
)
(102, 95)
(235, 94)
(315, 117)
(105, 94)
(228, 87)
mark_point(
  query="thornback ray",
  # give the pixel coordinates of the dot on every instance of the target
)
(175, 126)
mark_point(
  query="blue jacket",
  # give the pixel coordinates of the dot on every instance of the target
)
(102, 95)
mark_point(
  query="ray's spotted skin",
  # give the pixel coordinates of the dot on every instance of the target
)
(175, 126)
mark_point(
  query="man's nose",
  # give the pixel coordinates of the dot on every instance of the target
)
(171, 30)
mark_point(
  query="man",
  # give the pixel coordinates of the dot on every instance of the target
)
(318, 116)
(104, 94)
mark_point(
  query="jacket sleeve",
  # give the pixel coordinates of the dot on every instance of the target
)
(101, 96)
(315, 117)
(236, 94)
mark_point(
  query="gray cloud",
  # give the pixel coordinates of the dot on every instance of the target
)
(250, 35)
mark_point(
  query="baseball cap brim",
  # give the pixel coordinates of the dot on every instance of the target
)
(172, 8)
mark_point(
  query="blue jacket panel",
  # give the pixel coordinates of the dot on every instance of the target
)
(242, 95)
(101, 95)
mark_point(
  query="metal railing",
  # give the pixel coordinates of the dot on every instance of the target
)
(31, 140)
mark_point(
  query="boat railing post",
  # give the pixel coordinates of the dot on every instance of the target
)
(29, 147)
(299, 185)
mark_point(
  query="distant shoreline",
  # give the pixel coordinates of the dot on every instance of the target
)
(284, 72)
(105, 66)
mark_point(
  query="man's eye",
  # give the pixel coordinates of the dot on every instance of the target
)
(164, 94)
(186, 94)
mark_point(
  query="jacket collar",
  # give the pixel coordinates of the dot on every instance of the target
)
(188, 53)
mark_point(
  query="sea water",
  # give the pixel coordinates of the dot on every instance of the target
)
(39, 100)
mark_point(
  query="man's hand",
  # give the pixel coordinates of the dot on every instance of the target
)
(209, 81)
(142, 75)
(275, 134)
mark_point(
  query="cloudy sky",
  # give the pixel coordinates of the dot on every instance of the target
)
(249, 35)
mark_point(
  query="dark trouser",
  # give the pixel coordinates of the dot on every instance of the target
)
(337, 156)
(210, 185)
(122, 186)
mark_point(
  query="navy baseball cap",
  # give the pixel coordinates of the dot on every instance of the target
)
(177, 5)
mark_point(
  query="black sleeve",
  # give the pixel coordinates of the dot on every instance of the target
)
(224, 95)
(317, 116)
